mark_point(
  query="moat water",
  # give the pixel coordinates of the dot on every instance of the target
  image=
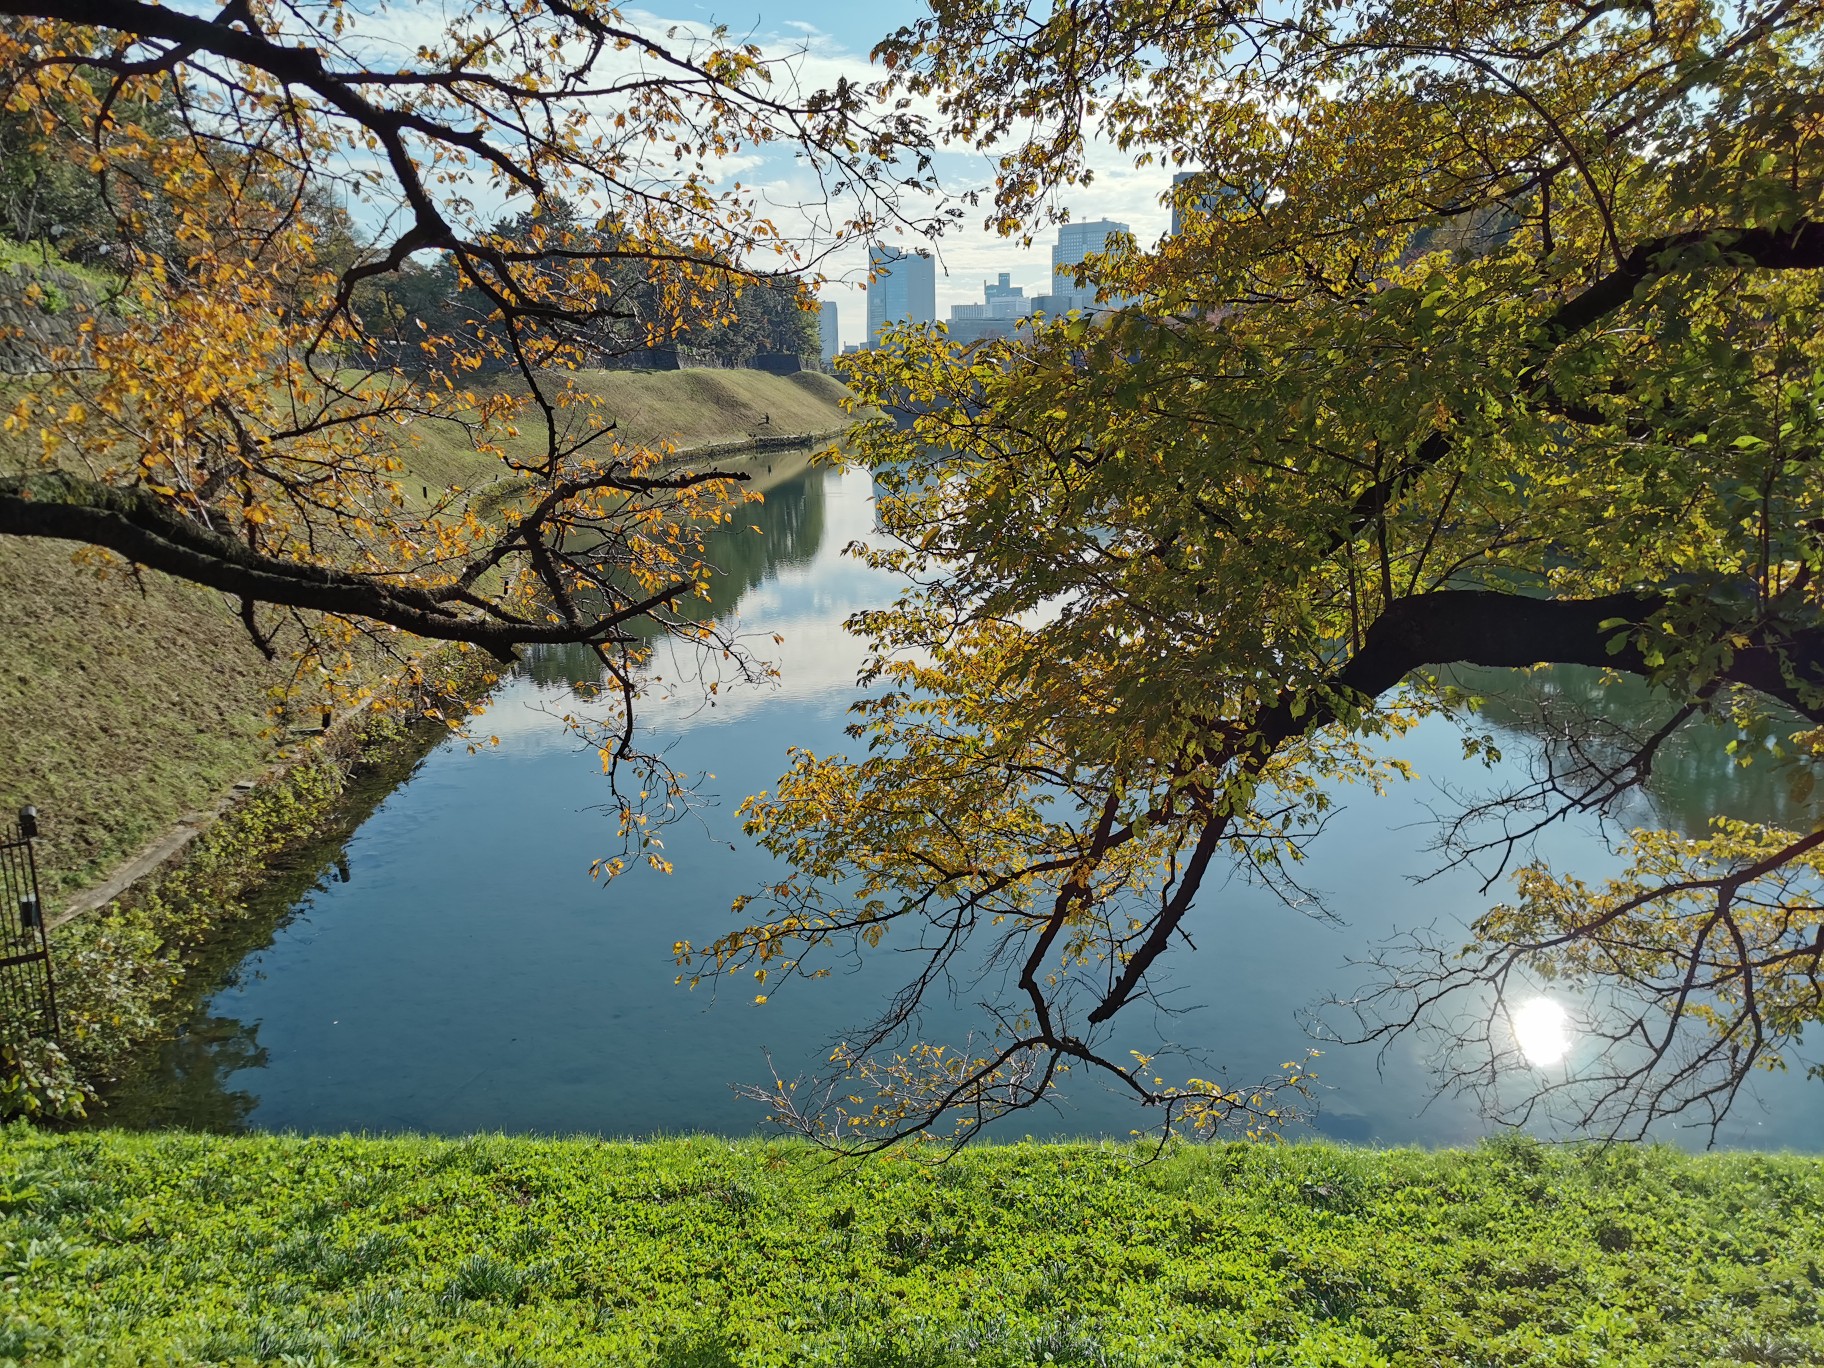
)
(452, 966)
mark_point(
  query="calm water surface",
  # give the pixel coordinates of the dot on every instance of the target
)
(456, 968)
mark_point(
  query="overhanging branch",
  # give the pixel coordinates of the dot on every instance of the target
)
(1479, 627)
(138, 526)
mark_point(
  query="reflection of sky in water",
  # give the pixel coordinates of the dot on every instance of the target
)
(804, 603)
(472, 976)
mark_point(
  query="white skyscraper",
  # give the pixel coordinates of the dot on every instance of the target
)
(1075, 242)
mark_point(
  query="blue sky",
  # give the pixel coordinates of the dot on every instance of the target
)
(836, 38)
(854, 27)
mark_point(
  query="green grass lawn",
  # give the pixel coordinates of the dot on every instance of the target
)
(176, 1249)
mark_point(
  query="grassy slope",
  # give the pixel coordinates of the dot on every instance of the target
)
(120, 710)
(685, 408)
(696, 406)
(178, 1249)
(36, 262)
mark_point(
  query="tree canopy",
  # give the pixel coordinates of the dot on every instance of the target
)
(331, 228)
(1492, 336)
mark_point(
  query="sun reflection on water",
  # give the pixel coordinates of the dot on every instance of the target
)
(1542, 1030)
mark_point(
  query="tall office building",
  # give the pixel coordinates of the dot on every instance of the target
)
(902, 288)
(1075, 242)
(1002, 289)
(829, 341)
(1209, 203)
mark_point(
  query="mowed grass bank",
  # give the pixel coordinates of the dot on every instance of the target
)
(178, 1249)
(697, 407)
(125, 702)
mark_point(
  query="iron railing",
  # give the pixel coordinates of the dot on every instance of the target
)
(28, 999)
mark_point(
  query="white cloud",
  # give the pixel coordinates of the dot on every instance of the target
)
(806, 56)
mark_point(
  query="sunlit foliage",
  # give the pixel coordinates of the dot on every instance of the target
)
(1492, 336)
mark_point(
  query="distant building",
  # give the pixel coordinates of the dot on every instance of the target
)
(1208, 203)
(902, 288)
(1077, 241)
(829, 340)
(1001, 291)
(1003, 305)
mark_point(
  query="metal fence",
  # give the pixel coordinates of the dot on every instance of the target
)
(28, 1000)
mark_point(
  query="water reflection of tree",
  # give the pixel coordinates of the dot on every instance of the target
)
(1700, 926)
(184, 1082)
(1571, 717)
(791, 523)
(184, 1079)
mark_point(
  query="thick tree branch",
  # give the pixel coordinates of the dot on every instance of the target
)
(1799, 248)
(141, 528)
(1479, 627)
(300, 66)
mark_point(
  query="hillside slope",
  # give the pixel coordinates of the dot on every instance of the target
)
(693, 407)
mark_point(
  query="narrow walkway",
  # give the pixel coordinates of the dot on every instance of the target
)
(166, 848)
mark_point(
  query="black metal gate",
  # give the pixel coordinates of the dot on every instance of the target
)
(28, 1001)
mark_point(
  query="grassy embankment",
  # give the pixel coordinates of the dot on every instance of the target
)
(186, 1249)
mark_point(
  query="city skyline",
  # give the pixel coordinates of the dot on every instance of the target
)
(822, 45)
(926, 295)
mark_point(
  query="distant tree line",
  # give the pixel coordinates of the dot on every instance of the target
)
(420, 315)
(426, 305)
